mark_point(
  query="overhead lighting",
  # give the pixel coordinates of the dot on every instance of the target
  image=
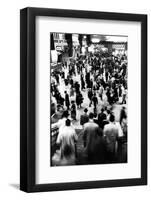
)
(117, 38)
(95, 40)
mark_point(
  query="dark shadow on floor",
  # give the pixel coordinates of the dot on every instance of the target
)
(15, 185)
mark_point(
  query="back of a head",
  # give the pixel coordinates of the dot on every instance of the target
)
(102, 109)
(91, 115)
(58, 107)
(85, 110)
(95, 115)
(108, 112)
(68, 122)
(112, 118)
(104, 117)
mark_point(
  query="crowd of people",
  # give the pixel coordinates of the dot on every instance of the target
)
(102, 78)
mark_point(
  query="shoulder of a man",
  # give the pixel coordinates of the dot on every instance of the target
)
(95, 125)
(86, 125)
(82, 116)
(107, 127)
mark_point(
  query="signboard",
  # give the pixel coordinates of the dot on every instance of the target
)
(58, 48)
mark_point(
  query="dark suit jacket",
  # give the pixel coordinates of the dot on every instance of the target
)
(90, 129)
(101, 118)
(84, 119)
(95, 145)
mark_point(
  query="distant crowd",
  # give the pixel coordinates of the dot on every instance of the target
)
(104, 140)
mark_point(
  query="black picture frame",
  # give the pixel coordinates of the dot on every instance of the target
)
(28, 98)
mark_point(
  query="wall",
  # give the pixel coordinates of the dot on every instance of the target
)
(9, 99)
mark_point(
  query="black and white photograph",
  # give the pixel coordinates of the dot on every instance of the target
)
(83, 99)
(88, 99)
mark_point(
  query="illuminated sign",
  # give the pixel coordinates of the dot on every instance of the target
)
(58, 48)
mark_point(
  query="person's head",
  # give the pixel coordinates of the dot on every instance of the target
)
(104, 117)
(108, 112)
(91, 115)
(58, 107)
(85, 110)
(112, 118)
(102, 110)
(95, 115)
(68, 122)
(65, 114)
